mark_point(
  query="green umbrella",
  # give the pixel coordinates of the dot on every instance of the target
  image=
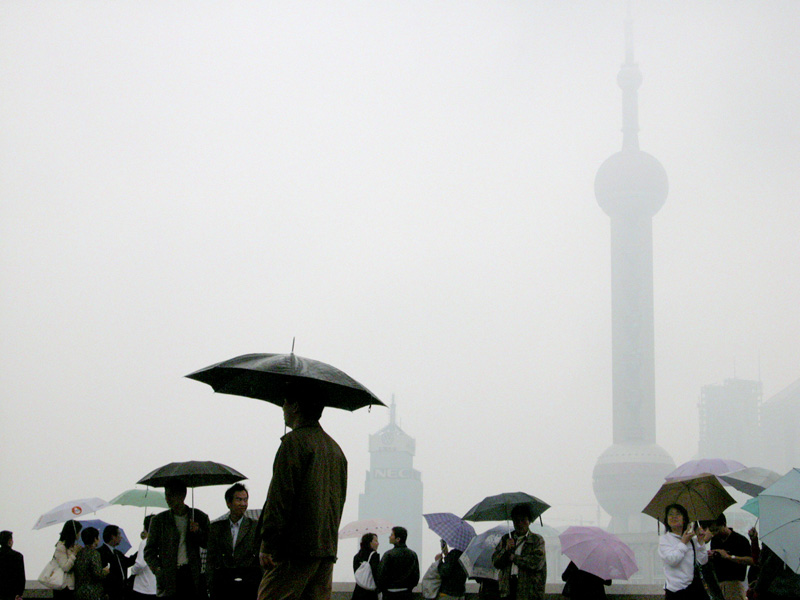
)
(142, 498)
(751, 506)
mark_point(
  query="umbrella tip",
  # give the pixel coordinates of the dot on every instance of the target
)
(293, 339)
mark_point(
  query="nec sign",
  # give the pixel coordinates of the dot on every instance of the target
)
(395, 474)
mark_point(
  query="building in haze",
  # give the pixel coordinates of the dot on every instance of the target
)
(393, 488)
(631, 186)
(729, 420)
(780, 430)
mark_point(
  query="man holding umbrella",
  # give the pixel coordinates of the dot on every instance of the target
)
(520, 557)
(173, 546)
(300, 521)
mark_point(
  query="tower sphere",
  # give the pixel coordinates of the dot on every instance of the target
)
(631, 183)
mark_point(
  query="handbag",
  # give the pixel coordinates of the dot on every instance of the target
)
(364, 576)
(53, 576)
(431, 582)
(706, 579)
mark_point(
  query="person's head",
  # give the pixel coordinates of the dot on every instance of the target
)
(236, 498)
(111, 536)
(6, 539)
(369, 542)
(146, 526)
(175, 493)
(300, 411)
(69, 533)
(521, 516)
(398, 536)
(718, 526)
(676, 518)
(90, 536)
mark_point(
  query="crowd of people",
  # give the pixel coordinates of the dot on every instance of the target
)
(289, 553)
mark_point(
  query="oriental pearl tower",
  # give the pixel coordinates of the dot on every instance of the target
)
(631, 186)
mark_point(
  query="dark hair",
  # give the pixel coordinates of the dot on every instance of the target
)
(176, 486)
(236, 487)
(522, 510)
(147, 520)
(720, 521)
(109, 532)
(5, 538)
(69, 533)
(366, 540)
(309, 409)
(400, 533)
(680, 509)
(89, 534)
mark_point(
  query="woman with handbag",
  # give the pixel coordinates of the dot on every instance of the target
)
(365, 566)
(680, 549)
(66, 550)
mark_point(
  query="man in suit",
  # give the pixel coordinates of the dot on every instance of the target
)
(173, 547)
(118, 563)
(232, 565)
(12, 569)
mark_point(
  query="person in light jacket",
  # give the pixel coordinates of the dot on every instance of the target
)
(66, 550)
(679, 548)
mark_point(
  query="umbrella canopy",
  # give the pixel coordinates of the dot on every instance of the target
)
(70, 510)
(751, 480)
(477, 557)
(355, 529)
(141, 498)
(714, 466)
(779, 508)
(193, 473)
(124, 545)
(269, 376)
(751, 506)
(451, 528)
(498, 508)
(703, 497)
(598, 552)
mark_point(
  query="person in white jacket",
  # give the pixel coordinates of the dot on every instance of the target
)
(66, 550)
(679, 548)
(144, 581)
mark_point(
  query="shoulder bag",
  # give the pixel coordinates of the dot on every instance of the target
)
(53, 576)
(364, 576)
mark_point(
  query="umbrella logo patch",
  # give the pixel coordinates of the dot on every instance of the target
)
(76, 510)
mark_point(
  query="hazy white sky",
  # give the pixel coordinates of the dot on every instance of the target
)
(407, 189)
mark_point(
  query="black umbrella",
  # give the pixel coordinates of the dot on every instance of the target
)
(271, 377)
(193, 473)
(498, 508)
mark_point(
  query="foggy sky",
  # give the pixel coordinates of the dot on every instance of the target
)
(407, 189)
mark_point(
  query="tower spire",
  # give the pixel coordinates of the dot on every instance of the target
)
(629, 79)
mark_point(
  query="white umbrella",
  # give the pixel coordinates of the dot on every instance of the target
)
(70, 510)
(751, 480)
(779, 510)
(356, 529)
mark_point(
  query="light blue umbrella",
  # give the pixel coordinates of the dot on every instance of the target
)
(751, 506)
(779, 508)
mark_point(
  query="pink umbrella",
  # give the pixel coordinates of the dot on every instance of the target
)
(598, 552)
(714, 466)
(356, 529)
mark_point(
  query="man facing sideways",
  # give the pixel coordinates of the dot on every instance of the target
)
(12, 569)
(730, 554)
(520, 557)
(118, 563)
(299, 525)
(173, 547)
(398, 571)
(232, 564)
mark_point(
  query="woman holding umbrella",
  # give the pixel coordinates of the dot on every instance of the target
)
(680, 548)
(66, 550)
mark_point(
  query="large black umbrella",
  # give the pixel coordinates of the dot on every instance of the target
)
(498, 508)
(193, 473)
(272, 377)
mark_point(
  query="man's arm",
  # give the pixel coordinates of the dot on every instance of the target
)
(287, 471)
(502, 552)
(214, 556)
(153, 547)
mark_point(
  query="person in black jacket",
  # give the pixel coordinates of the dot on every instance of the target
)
(582, 585)
(367, 552)
(454, 577)
(398, 572)
(12, 569)
(117, 562)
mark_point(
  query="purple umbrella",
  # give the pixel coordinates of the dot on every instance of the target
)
(714, 466)
(451, 528)
(598, 552)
